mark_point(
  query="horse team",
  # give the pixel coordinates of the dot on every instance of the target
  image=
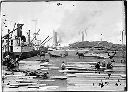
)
(80, 55)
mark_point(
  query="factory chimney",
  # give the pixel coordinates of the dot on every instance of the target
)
(54, 38)
(29, 37)
(82, 36)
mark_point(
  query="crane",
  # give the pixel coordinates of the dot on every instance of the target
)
(47, 41)
(35, 35)
(7, 35)
(44, 40)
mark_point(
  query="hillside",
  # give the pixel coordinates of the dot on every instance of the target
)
(101, 44)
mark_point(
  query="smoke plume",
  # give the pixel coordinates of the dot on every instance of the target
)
(77, 20)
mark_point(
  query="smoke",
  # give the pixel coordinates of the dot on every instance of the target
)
(77, 20)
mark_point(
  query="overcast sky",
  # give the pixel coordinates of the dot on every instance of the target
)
(68, 19)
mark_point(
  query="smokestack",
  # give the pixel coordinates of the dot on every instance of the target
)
(29, 36)
(82, 36)
(54, 38)
(101, 37)
(123, 37)
(19, 30)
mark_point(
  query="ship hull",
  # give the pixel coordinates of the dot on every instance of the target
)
(23, 55)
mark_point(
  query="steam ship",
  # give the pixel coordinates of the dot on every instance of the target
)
(15, 44)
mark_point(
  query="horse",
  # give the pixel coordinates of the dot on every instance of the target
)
(65, 54)
(80, 54)
(42, 54)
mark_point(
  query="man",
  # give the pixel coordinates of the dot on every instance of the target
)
(17, 62)
(8, 59)
(109, 65)
(63, 66)
(97, 65)
(45, 76)
(103, 63)
(112, 56)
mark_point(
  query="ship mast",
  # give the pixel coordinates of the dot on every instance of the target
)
(35, 28)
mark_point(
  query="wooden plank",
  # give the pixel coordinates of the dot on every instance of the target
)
(44, 69)
(67, 71)
(58, 77)
(97, 84)
(47, 80)
(71, 75)
(13, 86)
(21, 84)
(47, 87)
(83, 78)
(101, 74)
(45, 64)
(87, 76)
(86, 80)
(53, 67)
(33, 86)
(40, 85)
(13, 75)
(86, 62)
(27, 77)
(97, 78)
(75, 71)
(26, 80)
(110, 70)
(119, 65)
(70, 65)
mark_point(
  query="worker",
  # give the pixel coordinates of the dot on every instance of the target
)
(7, 59)
(102, 84)
(97, 66)
(103, 63)
(11, 64)
(17, 61)
(109, 65)
(109, 74)
(45, 76)
(63, 66)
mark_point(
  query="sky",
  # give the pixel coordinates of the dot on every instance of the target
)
(69, 20)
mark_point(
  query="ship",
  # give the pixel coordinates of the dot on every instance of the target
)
(15, 44)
